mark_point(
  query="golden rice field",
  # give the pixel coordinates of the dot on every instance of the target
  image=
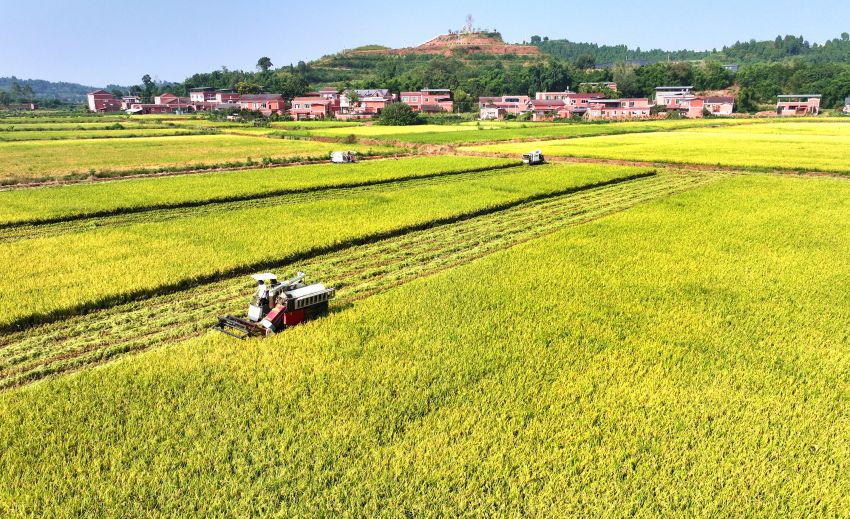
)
(23, 161)
(767, 146)
(567, 340)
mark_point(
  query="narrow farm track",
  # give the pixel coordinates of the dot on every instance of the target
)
(24, 231)
(84, 341)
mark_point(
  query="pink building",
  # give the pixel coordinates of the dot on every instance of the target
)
(553, 96)
(618, 109)
(669, 95)
(720, 105)
(312, 107)
(101, 101)
(430, 100)
(266, 104)
(798, 105)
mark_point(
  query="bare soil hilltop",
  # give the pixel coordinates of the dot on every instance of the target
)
(457, 42)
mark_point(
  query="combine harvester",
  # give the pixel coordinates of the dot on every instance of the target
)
(277, 306)
(342, 157)
(533, 158)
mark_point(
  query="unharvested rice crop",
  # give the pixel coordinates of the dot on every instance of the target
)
(685, 358)
(459, 135)
(21, 161)
(22, 205)
(808, 152)
(85, 269)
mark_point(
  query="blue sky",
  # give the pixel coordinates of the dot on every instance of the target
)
(98, 41)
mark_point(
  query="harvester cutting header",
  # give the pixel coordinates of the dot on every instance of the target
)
(278, 305)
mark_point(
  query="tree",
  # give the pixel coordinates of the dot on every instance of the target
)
(149, 89)
(245, 87)
(535, 40)
(5, 98)
(264, 64)
(746, 101)
(398, 114)
(585, 62)
(845, 36)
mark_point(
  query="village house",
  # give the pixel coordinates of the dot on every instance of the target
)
(429, 100)
(720, 105)
(546, 109)
(101, 101)
(618, 109)
(553, 96)
(364, 103)
(312, 106)
(266, 104)
(498, 107)
(491, 113)
(673, 95)
(128, 101)
(202, 94)
(798, 105)
(847, 106)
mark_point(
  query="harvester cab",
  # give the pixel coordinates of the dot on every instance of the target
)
(533, 157)
(342, 157)
(277, 305)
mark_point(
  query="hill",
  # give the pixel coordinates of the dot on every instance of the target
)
(456, 44)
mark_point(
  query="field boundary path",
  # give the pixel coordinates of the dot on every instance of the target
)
(358, 271)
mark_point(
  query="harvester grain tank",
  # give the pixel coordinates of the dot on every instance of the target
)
(278, 305)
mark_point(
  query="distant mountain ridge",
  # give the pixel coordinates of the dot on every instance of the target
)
(836, 50)
(53, 90)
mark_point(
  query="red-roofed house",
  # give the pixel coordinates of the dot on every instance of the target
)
(618, 109)
(430, 100)
(266, 104)
(101, 101)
